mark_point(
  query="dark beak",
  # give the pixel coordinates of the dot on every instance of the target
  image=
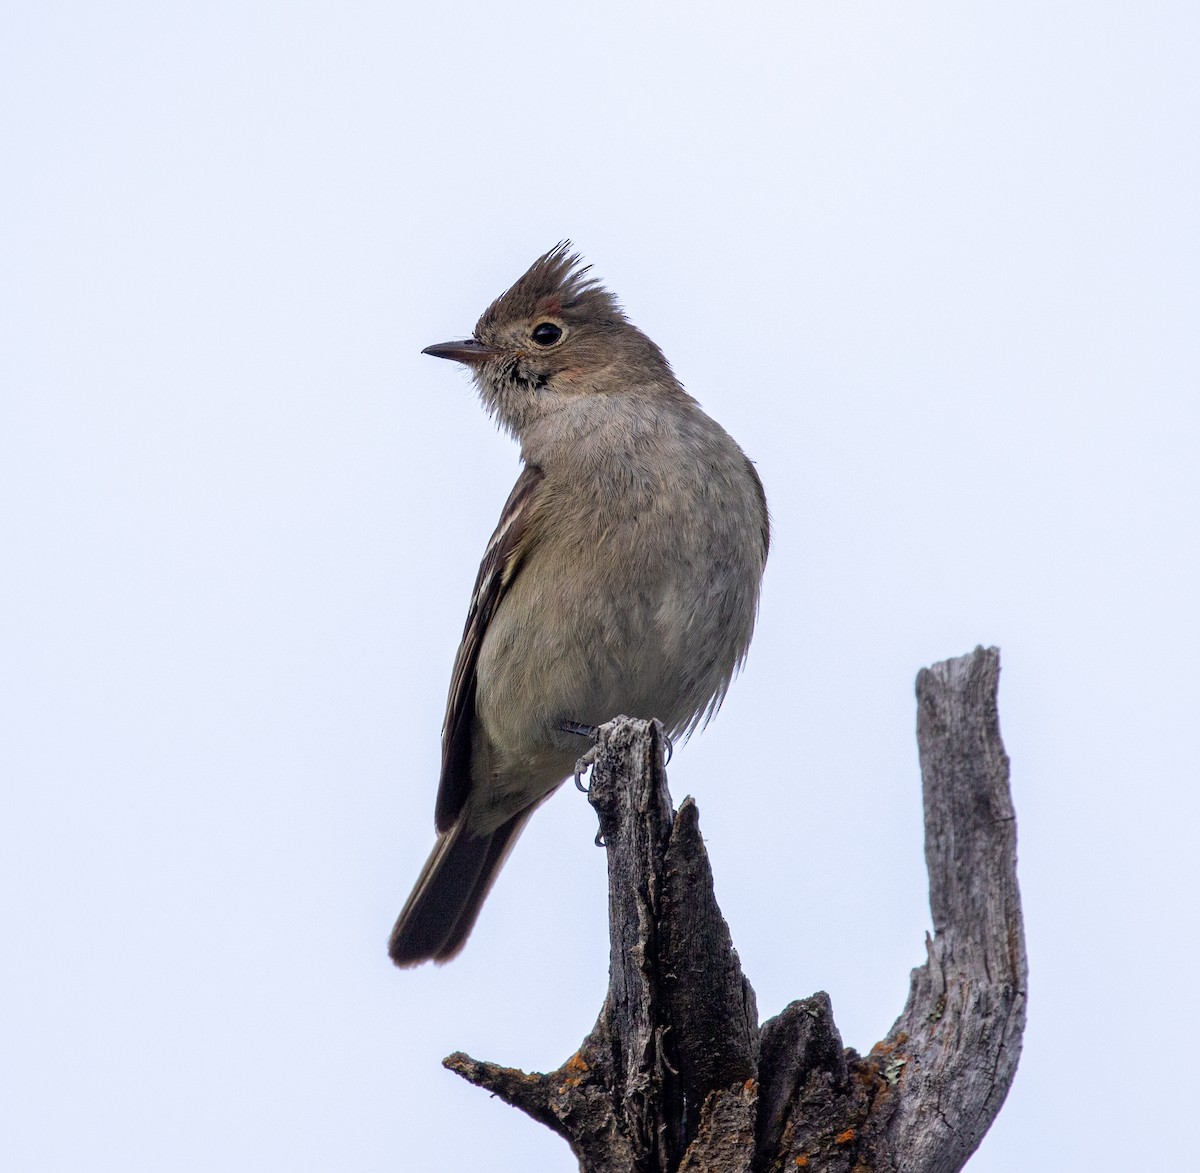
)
(468, 350)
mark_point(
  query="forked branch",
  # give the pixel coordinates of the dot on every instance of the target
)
(677, 1074)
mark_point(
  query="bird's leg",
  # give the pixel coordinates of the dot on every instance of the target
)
(591, 732)
(582, 765)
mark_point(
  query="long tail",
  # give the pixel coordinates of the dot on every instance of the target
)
(439, 915)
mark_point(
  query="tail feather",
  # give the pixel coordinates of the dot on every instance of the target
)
(439, 915)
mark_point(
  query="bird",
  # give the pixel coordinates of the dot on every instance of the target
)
(623, 577)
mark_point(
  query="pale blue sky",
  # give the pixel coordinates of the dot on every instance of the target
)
(932, 264)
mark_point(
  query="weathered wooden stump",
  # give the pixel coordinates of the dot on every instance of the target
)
(677, 1074)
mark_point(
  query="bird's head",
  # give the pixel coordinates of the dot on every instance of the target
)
(554, 335)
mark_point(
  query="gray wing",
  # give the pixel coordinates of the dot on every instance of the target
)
(501, 561)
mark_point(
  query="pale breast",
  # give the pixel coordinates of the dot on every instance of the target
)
(638, 595)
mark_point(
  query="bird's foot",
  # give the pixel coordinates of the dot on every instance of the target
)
(588, 760)
(582, 765)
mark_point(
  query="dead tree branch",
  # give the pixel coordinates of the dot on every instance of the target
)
(677, 1074)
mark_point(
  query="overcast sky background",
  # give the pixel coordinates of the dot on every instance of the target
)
(933, 265)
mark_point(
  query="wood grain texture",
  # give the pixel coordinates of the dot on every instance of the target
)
(677, 1074)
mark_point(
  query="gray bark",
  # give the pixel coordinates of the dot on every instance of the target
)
(677, 1074)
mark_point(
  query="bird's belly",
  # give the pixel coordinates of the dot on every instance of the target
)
(654, 649)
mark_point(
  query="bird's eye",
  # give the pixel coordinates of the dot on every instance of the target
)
(546, 333)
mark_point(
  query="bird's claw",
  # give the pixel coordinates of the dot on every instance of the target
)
(582, 765)
(591, 732)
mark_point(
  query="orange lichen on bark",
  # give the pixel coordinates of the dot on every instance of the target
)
(574, 1069)
(844, 1137)
(887, 1046)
